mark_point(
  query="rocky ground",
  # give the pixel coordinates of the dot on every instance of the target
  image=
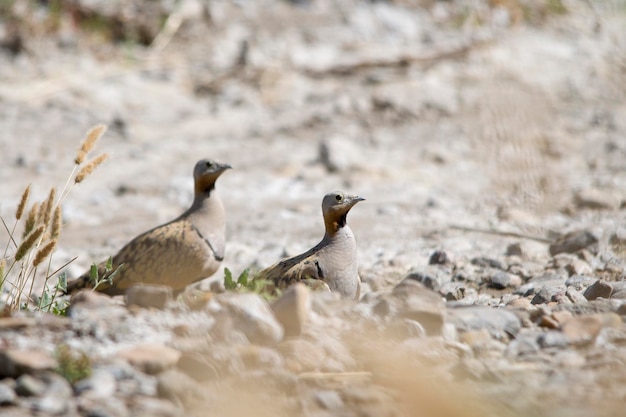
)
(489, 141)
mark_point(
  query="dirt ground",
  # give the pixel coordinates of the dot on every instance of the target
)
(440, 114)
(467, 125)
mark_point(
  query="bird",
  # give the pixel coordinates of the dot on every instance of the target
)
(332, 261)
(175, 254)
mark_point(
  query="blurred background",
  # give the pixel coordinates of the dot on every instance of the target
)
(489, 114)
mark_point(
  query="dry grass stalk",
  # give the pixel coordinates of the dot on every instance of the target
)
(22, 205)
(3, 267)
(31, 219)
(88, 169)
(90, 141)
(56, 223)
(48, 204)
(29, 242)
(44, 252)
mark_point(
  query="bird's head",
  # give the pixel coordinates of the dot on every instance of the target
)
(205, 173)
(335, 207)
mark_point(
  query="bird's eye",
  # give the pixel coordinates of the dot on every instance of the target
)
(209, 164)
(338, 197)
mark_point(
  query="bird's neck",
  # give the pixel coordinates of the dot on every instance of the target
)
(335, 225)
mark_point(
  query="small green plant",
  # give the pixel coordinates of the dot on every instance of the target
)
(107, 275)
(29, 256)
(72, 365)
(245, 283)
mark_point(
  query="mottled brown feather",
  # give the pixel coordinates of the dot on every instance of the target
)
(177, 254)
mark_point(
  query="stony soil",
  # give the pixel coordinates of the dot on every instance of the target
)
(489, 141)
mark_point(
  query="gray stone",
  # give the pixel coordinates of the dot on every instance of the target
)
(573, 242)
(595, 199)
(57, 398)
(414, 301)
(103, 407)
(598, 289)
(485, 262)
(142, 406)
(101, 384)
(500, 323)
(501, 280)
(575, 296)
(552, 339)
(29, 386)
(7, 395)
(546, 295)
(580, 281)
(328, 400)
(150, 358)
(433, 277)
(293, 308)
(148, 296)
(15, 362)
(249, 314)
(546, 280)
(439, 257)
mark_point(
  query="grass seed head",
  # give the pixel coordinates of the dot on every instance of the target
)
(44, 252)
(22, 205)
(49, 203)
(88, 169)
(90, 141)
(28, 243)
(56, 223)
(31, 219)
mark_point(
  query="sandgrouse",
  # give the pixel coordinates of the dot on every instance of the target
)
(332, 260)
(181, 252)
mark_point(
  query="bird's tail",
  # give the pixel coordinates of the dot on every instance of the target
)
(82, 282)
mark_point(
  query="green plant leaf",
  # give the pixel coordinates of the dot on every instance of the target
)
(243, 278)
(62, 282)
(229, 284)
(93, 273)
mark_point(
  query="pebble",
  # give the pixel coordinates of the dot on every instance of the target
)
(14, 363)
(29, 386)
(553, 339)
(412, 300)
(293, 308)
(581, 331)
(7, 395)
(141, 406)
(599, 289)
(198, 366)
(433, 277)
(101, 384)
(501, 280)
(546, 295)
(573, 242)
(595, 199)
(251, 315)
(103, 407)
(148, 296)
(500, 323)
(150, 358)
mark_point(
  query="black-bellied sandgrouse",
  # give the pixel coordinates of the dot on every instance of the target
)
(176, 254)
(332, 260)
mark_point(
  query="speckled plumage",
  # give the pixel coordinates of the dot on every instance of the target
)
(332, 260)
(178, 253)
